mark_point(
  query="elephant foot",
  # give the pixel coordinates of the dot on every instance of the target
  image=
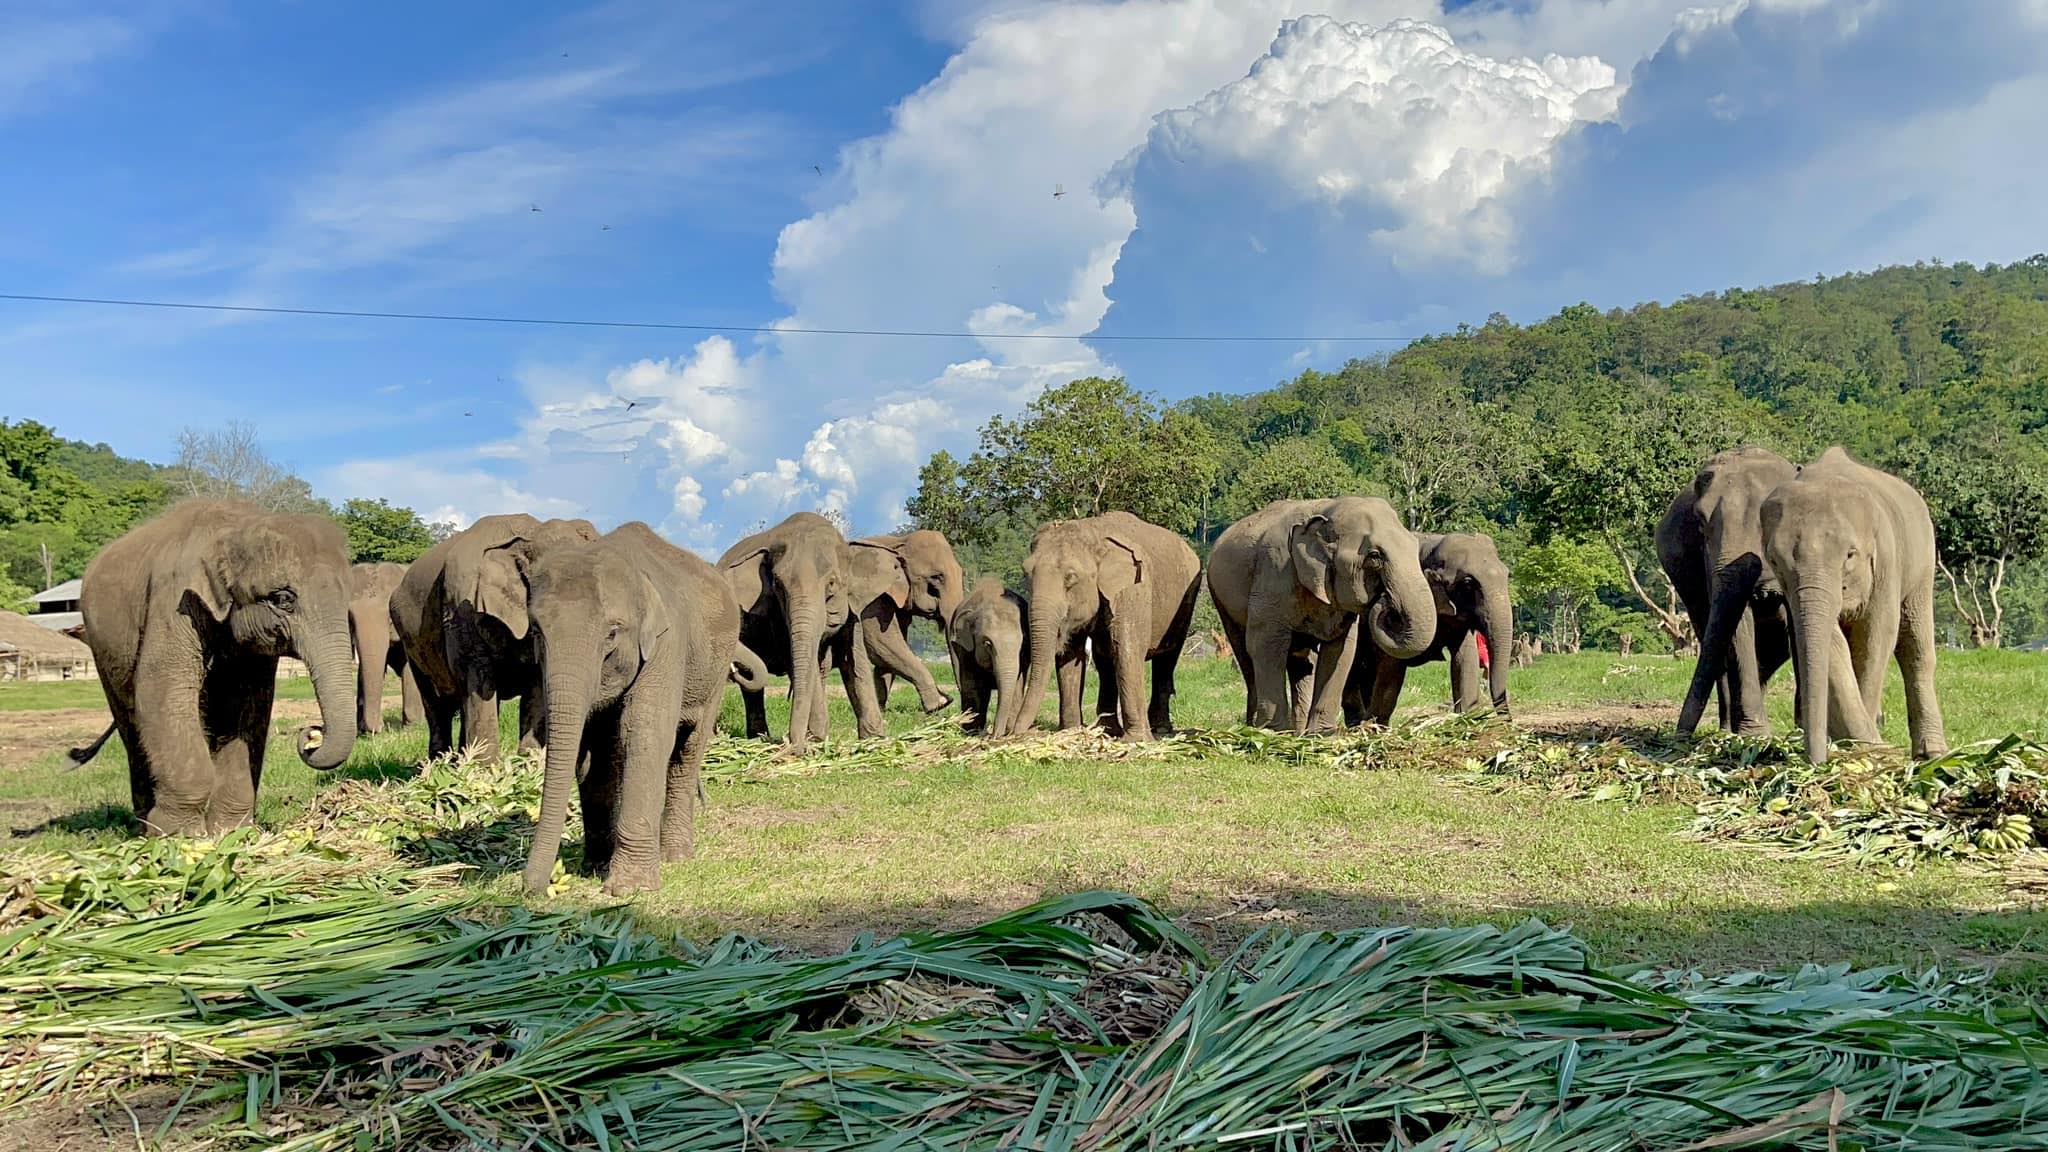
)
(676, 853)
(1134, 735)
(625, 881)
(937, 702)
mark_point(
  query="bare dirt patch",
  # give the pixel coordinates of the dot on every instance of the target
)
(1641, 714)
(27, 737)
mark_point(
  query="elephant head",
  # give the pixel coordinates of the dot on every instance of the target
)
(1727, 498)
(1354, 554)
(597, 621)
(280, 586)
(917, 570)
(1471, 583)
(800, 571)
(1822, 536)
(486, 588)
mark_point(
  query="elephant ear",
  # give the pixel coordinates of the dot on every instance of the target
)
(878, 571)
(234, 566)
(501, 588)
(748, 574)
(654, 621)
(1122, 564)
(1313, 545)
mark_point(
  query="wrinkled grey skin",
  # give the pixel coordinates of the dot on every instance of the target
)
(1126, 589)
(897, 579)
(635, 639)
(986, 641)
(460, 612)
(1854, 549)
(794, 584)
(186, 615)
(1470, 586)
(377, 647)
(1711, 546)
(1290, 580)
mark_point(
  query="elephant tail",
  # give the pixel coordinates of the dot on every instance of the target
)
(79, 756)
(748, 670)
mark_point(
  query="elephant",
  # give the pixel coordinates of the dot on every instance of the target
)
(187, 615)
(1123, 589)
(794, 584)
(897, 579)
(1710, 544)
(1854, 549)
(460, 612)
(635, 639)
(1290, 581)
(986, 641)
(377, 646)
(1475, 628)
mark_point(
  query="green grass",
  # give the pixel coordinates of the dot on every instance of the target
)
(1232, 842)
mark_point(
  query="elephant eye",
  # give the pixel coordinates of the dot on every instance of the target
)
(285, 599)
(611, 634)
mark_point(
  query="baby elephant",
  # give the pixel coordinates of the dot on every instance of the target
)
(635, 641)
(986, 639)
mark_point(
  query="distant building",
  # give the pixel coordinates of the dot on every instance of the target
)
(57, 609)
(31, 653)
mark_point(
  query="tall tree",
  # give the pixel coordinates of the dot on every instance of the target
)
(231, 461)
(1988, 496)
(379, 531)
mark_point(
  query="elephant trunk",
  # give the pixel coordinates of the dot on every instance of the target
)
(326, 654)
(1047, 609)
(370, 627)
(1403, 617)
(806, 678)
(1816, 615)
(1009, 687)
(749, 671)
(1497, 620)
(565, 696)
(1733, 586)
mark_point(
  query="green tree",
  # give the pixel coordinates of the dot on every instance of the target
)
(1300, 468)
(379, 531)
(1556, 582)
(1988, 496)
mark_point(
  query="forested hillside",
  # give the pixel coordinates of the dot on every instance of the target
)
(60, 500)
(1566, 438)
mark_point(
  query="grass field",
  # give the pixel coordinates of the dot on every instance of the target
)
(1234, 842)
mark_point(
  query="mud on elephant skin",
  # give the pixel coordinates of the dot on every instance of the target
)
(898, 579)
(377, 646)
(986, 640)
(794, 585)
(1290, 581)
(1475, 628)
(636, 639)
(1123, 588)
(187, 615)
(1710, 544)
(1854, 549)
(460, 613)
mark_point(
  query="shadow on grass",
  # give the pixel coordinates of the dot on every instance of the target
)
(98, 818)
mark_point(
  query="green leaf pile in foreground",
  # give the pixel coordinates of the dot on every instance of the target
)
(303, 1002)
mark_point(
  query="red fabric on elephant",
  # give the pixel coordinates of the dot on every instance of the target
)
(1485, 657)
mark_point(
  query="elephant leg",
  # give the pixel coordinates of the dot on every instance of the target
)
(1916, 661)
(1159, 713)
(1468, 679)
(889, 648)
(413, 707)
(480, 718)
(757, 713)
(1872, 642)
(1072, 668)
(1848, 719)
(1386, 689)
(369, 689)
(1107, 715)
(685, 777)
(1747, 713)
(1365, 671)
(1129, 627)
(857, 672)
(968, 678)
(1301, 688)
(597, 792)
(238, 702)
(532, 721)
(1272, 649)
(440, 721)
(1233, 634)
(649, 745)
(141, 791)
(1335, 663)
(171, 727)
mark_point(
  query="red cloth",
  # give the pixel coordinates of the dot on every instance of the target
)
(1485, 658)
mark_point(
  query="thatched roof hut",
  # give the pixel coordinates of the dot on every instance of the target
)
(30, 652)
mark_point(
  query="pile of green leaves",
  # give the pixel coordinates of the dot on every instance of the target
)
(301, 1006)
(1980, 802)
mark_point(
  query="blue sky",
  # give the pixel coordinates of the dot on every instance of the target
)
(1352, 167)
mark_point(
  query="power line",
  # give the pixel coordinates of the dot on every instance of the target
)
(352, 314)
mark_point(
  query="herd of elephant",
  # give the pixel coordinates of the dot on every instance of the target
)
(618, 647)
